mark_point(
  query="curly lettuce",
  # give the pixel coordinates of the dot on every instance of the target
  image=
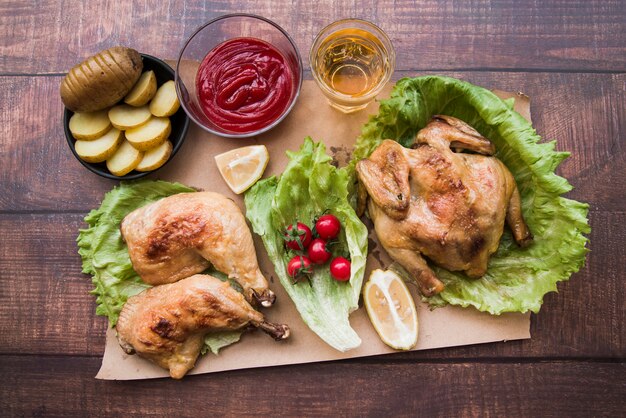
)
(517, 279)
(105, 255)
(309, 186)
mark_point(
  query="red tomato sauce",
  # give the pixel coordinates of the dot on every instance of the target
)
(244, 84)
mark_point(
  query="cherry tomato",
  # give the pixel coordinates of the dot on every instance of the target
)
(299, 266)
(297, 238)
(318, 253)
(327, 227)
(340, 269)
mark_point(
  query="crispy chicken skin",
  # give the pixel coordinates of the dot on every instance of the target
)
(166, 324)
(445, 205)
(184, 234)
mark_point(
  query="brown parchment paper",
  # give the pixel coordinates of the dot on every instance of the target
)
(312, 116)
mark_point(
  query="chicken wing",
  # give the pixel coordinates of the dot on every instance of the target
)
(447, 206)
(184, 234)
(166, 324)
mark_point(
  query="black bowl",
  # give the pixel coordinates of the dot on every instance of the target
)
(179, 120)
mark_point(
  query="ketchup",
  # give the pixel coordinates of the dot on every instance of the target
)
(244, 84)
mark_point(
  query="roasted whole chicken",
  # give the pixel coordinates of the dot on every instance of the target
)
(184, 234)
(437, 202)
(166, 324)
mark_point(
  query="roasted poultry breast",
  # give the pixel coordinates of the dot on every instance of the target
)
(435, 201)
(166, 324)
(184, 234)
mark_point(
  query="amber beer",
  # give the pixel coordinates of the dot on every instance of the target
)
(351, 61)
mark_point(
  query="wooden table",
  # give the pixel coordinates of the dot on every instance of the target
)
(569, 57)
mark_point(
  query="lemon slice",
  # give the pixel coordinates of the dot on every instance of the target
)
(391, 309)
(242, 167)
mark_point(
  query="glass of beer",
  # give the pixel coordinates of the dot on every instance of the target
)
(351, 61)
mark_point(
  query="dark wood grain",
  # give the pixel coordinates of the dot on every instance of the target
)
(568, 56)
(427, 34)
(578, 110)
(41, 252)
(65, 386)
(45, 297)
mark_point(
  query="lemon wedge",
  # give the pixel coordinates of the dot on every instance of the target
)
(242, 167)
(391, 309)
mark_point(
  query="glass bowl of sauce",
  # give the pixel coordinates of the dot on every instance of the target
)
(238, 75)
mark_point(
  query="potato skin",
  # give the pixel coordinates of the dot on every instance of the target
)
(101, 80)
(162, 153)
(141, 94)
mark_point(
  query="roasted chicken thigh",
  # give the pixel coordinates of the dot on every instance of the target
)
(447, 206)
(184, 234)
(167, 324)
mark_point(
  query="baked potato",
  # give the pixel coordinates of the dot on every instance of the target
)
(101, 80)
(124, 160)
(90, 125)
(127, 117)
(98, 150)
(155, 157)
(150, 134)
(165, 102)
(143, 91)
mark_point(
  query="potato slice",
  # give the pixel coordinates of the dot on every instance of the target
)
(87, 126)
(124, 160)
(150, 134)
(143, 91)
(127, 117)
(155, 157)
(165, 102)
(98, 150)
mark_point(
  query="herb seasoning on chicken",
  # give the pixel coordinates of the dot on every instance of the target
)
(447, 206)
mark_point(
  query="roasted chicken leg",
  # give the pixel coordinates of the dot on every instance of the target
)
(167, 324)
(184, 234)
(445, 205)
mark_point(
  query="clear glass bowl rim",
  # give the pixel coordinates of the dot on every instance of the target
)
(325, 31)
(298, 85)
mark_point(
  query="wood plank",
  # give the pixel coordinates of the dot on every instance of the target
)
(581, 111)
(52, 341)
(45, 306)
(41, 385)
(506, 34)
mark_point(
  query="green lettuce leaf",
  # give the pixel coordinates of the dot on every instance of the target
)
(517, 279)
(105, 255)
(215, 341)
(309, 186)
